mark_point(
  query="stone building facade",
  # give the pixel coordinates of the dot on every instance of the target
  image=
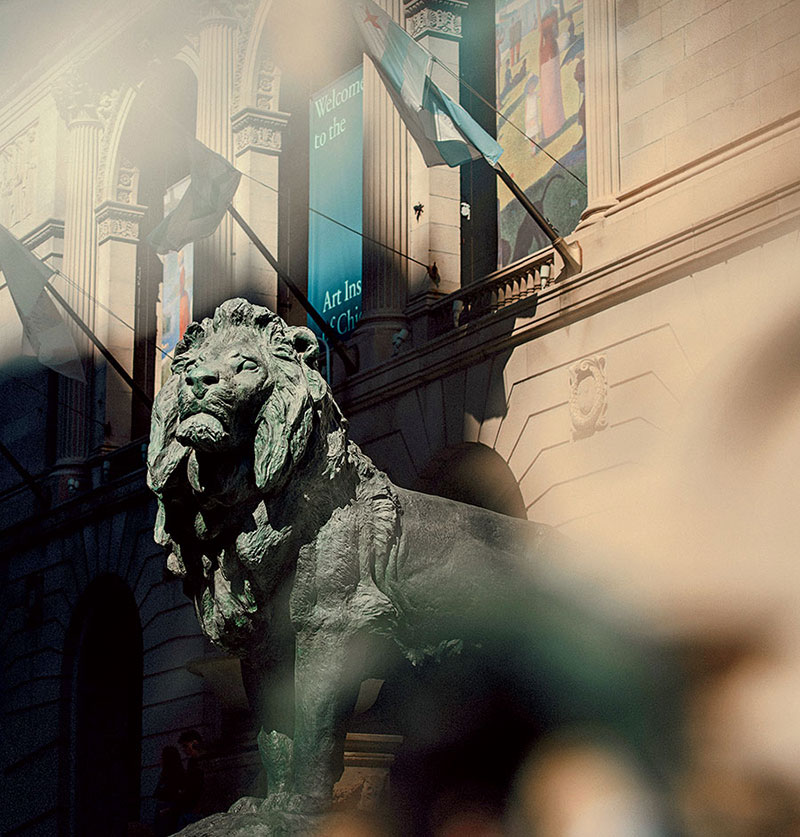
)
(643, 404)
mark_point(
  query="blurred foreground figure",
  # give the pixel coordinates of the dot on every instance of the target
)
(580, 789)
(304, 558)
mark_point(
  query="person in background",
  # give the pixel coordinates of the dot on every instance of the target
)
(169, 792)
(191, 744)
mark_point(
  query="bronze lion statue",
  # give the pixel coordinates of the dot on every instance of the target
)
(298, 551)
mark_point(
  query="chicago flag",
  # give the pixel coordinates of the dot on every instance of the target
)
(443, 130)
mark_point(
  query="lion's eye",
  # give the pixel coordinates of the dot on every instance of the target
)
(247, 365)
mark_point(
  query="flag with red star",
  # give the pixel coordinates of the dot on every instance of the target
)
(443, 130)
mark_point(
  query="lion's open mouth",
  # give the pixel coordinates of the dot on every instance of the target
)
(203, 431)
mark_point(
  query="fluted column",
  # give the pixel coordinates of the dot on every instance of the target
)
(217, 57)
(602, 116)
(78, 106)
(386, 210)
(258, 135)
(117, 242)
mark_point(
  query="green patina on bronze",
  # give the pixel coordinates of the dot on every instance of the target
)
(293, 544)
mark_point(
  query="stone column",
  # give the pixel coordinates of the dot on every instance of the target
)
(386, 212)
(118, 235)
(258, 139)
(436, 235)
(219, 27)
(78, 105)
(602, 115)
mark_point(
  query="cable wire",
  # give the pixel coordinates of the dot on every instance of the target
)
(343, 225)
(97, 302)
(505, 118)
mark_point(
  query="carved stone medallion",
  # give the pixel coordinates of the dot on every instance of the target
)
(588, 398)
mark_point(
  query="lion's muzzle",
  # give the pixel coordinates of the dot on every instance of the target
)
(202, 431)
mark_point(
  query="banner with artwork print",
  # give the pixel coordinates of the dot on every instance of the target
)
(540, 72)
(177, 288)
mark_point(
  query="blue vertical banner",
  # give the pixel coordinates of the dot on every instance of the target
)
(335, 189)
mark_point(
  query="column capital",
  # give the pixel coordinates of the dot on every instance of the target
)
(258, 130)
(118, 221)
(230, 12)
(77, 100)
(440, 18)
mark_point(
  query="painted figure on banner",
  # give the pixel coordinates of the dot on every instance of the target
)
(550, 74)
(515, 38)
(533, 123)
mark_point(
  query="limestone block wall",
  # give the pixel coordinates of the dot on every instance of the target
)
(41, 589)
(661, 432)
(694, 76)
(595, 417)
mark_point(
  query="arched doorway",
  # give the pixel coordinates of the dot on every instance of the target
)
(474, 474)
(102, 720)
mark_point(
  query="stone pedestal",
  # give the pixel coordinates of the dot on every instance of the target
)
(258, 139)
(118, 235)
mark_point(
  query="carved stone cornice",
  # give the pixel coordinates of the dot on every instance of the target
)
(258, 130)
(441, 18)
(118, 222)
(46, 231)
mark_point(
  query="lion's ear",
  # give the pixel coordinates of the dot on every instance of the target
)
(305, 344)
(307, 347)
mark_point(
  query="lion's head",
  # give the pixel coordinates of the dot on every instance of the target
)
(246, 392)
(243, 380)
(248, 459)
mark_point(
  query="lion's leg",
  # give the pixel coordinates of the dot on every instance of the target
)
(328, 672)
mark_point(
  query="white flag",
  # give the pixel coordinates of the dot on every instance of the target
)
(44, 327)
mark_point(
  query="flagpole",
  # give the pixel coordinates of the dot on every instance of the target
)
(350, 365)
(570, 253)
(120, 369)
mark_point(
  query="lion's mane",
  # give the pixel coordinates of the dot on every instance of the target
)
(299, 457)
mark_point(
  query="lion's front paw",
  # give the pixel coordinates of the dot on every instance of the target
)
(295, 803)
(276, 756)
